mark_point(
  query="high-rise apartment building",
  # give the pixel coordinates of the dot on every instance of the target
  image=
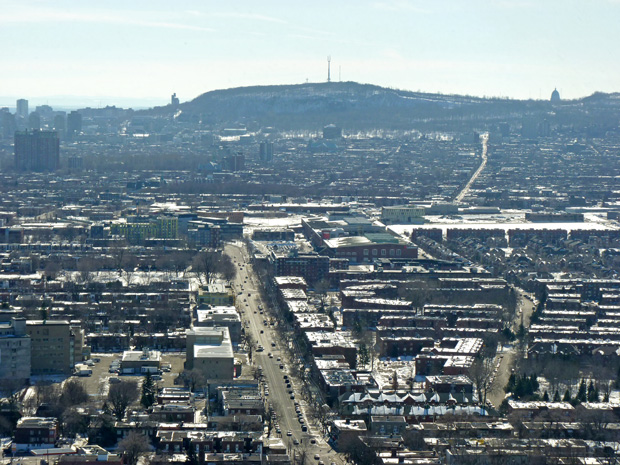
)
(34, 121)
(22, 108)
(37, 151)
(14, 350)
(60, 125)
(266, 151)
(74, 123)
(9, 126)
(52, 346)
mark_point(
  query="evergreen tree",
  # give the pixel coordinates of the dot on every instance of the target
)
(512, 382)
(191, 456)
(546, 396)
(363, 355)
(148, 391)
(567, 397)
(106, 409)
(556, 396)
(582, 393)
(395, 381)
(592, 392)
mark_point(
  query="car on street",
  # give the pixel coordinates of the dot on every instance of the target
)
(289, 433)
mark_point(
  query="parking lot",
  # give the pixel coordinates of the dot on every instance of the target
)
(98, 382)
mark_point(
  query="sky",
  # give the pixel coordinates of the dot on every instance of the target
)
(140, 52)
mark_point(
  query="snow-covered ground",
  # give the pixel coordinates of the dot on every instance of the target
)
(504, 221)
(281, 222)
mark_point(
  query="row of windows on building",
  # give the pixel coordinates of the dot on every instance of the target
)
(375, 252)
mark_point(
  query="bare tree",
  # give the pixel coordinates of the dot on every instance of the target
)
(196, 379)
(73, 393)
(133, 446)
(118, 252)
(481, 373)
(52, 269)
(12, 389)
(205, 266)
(85, 267)
(121, 396)
(302, 456)
(129, 266)
(321, 289)
(250, 343)
(208, 265)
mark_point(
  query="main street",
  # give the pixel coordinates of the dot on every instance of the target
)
(483, 162)
(261, 323)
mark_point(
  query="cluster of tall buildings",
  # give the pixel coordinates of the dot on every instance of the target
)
(37, 134)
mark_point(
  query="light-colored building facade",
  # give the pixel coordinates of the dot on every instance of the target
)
(14, 350)
(402, 214)
(221, 316)
(210, 351)
(140, 361)
(216, 294)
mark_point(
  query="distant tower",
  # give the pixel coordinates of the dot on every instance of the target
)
(174, 100)
(60, 125)
(34, 120)
(22, 108)
(9, 126)
(265, 153)
(555, 96)
(329, 64)
(74, 124)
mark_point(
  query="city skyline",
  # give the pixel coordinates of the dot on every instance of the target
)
(144, 52)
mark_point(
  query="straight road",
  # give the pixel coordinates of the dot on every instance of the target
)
(257, 320)
(525, 308)
(461, 195)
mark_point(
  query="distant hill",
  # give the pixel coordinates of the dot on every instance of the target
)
(352, 105)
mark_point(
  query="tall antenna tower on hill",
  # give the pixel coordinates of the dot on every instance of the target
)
(329, 62)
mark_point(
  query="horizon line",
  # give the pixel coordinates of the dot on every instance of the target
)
(152, 99)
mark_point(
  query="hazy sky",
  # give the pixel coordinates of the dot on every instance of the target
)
(149, 49)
